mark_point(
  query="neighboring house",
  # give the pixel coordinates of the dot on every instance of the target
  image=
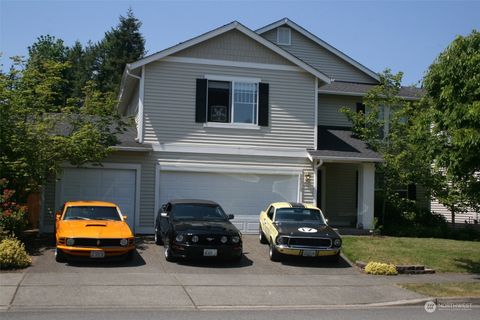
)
(240, 117)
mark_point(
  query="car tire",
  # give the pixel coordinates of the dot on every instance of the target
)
(261, 236)
(167, 252)
(60, 256)
(273, 253)
(158, 237)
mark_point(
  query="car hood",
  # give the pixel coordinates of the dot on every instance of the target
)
(209, 227)
(305, 229)
(93, 229)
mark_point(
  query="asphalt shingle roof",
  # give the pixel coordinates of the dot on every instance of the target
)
(339, 142)
(361, 89)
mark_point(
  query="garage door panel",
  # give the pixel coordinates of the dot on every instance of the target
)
(101, 184)
(244, 195)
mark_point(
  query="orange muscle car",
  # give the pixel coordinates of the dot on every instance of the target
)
(92, 229)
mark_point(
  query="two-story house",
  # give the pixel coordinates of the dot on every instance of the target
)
(240, 117)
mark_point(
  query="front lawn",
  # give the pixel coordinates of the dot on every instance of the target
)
(440, 254)
(450, 289)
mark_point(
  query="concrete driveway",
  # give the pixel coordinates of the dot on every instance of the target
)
(149, 281)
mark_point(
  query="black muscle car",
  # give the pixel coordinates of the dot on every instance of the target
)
(298, 229)
(195, 229)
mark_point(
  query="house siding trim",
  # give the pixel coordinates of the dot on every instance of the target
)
(249, 151)
(229, 63)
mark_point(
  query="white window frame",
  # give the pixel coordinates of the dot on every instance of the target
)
(231, 123)
(289, 36)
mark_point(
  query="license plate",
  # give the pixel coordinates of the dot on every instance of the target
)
(309, 253)
(209, 252)
(97, 254)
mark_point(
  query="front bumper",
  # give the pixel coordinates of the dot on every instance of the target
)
(299, 251)
(197, 251)
(85, 251)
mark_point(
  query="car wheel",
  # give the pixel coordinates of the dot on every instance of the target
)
(261, 236)
(167, 252)
(60, 256)
(273, 253)
(158, 237)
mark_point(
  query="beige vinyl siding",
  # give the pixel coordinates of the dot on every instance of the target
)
(340, 193)
(320, 58)
(234, 46)
(329, 109)
(169, 107)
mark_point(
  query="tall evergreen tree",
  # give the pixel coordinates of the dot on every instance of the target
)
(121, 45)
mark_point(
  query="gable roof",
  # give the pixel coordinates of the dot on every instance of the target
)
(320, 42)
(228, 27)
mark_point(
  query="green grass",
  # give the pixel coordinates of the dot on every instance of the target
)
(440, 254)
(450, 289)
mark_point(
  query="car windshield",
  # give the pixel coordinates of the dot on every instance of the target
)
(92, 213)
(186, 211)
(299, 214)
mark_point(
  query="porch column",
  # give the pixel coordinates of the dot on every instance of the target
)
(366, 193)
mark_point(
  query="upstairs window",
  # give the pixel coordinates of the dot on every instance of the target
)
(236, 102)
(284, 36)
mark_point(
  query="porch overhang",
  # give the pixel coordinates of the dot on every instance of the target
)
(337, 144)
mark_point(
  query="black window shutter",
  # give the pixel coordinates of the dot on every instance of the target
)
(263, 104)
(412, 192)
(360, 107)
(201, 101)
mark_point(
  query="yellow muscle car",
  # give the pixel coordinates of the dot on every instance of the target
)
(92, 229)
(298, 229)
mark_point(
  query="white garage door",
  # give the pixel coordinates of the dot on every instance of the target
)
(243, 195)
(113, 185)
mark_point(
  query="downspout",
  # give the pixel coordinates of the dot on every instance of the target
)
(139, 137)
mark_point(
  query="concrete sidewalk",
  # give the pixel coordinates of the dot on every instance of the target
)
(49, 290)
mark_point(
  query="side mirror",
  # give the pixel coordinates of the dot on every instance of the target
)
(125, 218)
(58, 215)
(231, 216)
(163, 214)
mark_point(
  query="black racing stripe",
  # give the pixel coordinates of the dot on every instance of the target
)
(296, 205)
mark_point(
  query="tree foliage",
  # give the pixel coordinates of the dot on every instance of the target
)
(452, 84)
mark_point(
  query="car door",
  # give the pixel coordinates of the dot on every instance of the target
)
(268, 228)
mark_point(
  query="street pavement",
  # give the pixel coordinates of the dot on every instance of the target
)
(151, 282)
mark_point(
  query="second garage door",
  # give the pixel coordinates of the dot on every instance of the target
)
(243, 195)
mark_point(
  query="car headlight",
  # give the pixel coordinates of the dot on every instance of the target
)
(195, 239)
(70, 242)
(123, 242)
(337, 242)
(179, 238)
(235, 239)
(223, 239)
(282, 240)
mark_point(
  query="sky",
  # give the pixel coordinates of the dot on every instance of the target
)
(401, 35)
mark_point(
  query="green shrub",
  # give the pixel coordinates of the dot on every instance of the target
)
(13, 254)
(380, 268)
